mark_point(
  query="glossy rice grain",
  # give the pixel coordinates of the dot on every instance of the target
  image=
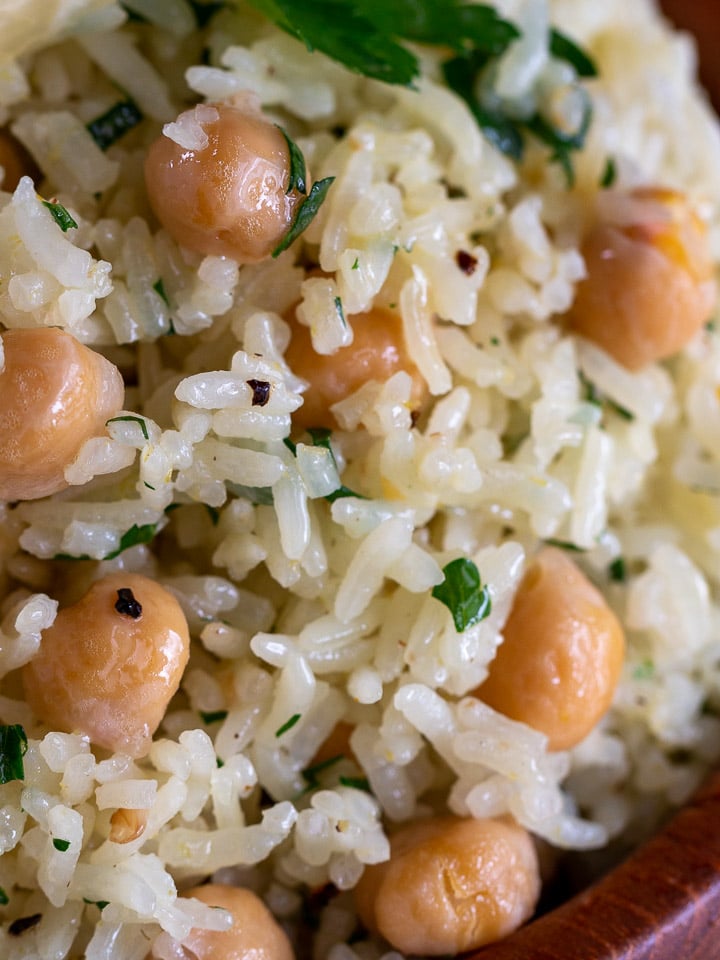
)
(108, 673)
(55, 393)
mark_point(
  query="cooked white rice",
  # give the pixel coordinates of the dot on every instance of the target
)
(301, 607)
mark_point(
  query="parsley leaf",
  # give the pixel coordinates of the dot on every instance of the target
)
(131, 538)
(4, 899)
(320, 437)
(609, 174)
(214, 716)
(13, 747)
(462, 593)
(159, 288)
(563, 48)
(61, 845)
(617, 570)
(288, 725)
(114, 123)
(60, 215)
(298, 174)
(306, 213)
(131, 419)
(358, 783)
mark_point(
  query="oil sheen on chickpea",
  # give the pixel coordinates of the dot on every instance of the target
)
(228, 198)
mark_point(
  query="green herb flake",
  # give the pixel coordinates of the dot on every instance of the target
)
(13, 747)
(495, 341)
(320, 437)
(159, 288)
(356, 264)
(298, 174)
(292, 447)
(463, 594)
(60, 215)
(131, 419)
(339, 310)
(4, 899)
(357, 783)
(114, 123)
(711, 326)
(310, 774)
(563, 48)
(621, 411)
(305, 214)
(61, 845)
(564, 545)
(644, 670)
(609, 174)
(288, 725)
(219, 763)
(212, 716)
(617, 570)
(100, 904)
(131, 538)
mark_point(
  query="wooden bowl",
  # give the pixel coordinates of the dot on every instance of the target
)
(663, 902)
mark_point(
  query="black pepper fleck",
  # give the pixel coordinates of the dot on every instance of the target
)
(127, 604)
(24, 923)
(261, 392)
(466, 261)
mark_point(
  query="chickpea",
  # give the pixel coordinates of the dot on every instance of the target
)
(55, 394)
(110, 663)
(450, 885)
(228, 198)
(127, 825)
(337, 744)
(15, 161)
(561, 658)
(376, 353)
(649, 284)
(254, 935)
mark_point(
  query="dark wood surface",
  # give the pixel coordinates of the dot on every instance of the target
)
(663, 903)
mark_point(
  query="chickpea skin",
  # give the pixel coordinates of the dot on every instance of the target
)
(254, 934)
(649, 285)
(55, 394)
(229, 197)
(450, 885)
(560, 661)
(376, 353)
(110, 663)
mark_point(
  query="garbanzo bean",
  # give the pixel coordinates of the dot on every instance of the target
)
(450, 885)
(254, 935)
(55, 394)
(561, 658)
(376, 353)
(649, 284)
(229, 198)
(110, 663)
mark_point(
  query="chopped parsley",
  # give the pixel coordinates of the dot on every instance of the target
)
(288, 725)
(61, 845)
(320, 437)
(131, 419)
(369, 36)
(110, 126)
(305, 214)
(591, 394)
(609, 174)
(213, 716)
(131, 538)
(356, 264)
(644, 670)
(159, 288)
(463, 594)
(357, 783)
(4, 899)
(563, 48)
(617, 570)
(60, 215)
(297, 179)
(100, 904)
(310, 774)
(13, 747)
(565, 545)
(339, 310)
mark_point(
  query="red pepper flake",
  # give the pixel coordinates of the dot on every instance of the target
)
(261, 392)
(24, 923)
(127, 605)
(466, 261)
